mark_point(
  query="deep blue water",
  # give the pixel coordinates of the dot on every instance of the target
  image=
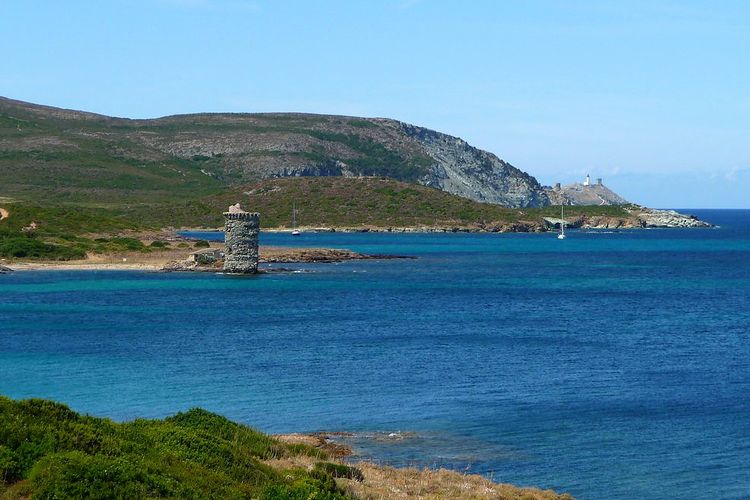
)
(608, 365)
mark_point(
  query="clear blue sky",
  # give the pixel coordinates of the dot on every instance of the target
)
(654, 96)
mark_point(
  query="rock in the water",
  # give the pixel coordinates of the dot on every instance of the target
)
(5, 270)
(651, 217)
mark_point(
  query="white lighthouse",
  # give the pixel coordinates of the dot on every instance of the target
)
(587, 181)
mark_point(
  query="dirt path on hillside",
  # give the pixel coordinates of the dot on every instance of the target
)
(4, 214)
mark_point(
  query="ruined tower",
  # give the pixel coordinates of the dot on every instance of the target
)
(241, 240)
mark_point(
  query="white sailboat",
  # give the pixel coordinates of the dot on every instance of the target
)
(295, 231)
(562, 236)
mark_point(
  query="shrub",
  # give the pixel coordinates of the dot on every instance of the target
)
(75, 474)
(201, 244)
(316, 486)
(49, 451)
(127, 243)
(31, 247)
(340, 470)
(159, 244)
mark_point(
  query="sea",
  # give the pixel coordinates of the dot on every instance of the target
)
(612, 364)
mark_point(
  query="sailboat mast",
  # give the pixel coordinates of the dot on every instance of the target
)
(561, 236)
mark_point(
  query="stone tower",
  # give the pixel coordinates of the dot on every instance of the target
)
(241, 240)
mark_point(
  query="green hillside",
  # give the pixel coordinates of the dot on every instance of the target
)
(66, 156)
(50, 451)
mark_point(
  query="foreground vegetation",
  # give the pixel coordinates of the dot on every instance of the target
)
(49, 451)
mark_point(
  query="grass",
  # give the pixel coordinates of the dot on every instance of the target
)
(387, 482)
(49, 451)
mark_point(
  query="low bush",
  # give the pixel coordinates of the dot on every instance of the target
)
(28, 246)
(49, 451)
(340, 470)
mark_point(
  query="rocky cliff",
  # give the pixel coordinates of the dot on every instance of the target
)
(464, 170)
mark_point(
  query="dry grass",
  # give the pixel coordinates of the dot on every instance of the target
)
(387, 482)
(383, 482)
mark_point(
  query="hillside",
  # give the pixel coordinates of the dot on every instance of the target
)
(65, 231)
(75, 183)
(73, 156)
(49, 451)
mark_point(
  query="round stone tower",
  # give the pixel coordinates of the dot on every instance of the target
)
(241, 240)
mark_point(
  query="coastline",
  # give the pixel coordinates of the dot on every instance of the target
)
(385, 481)
(638, 218)
(174, 260)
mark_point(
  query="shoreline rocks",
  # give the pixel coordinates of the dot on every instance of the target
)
(207, 261)
(638, 218)
(650, 217)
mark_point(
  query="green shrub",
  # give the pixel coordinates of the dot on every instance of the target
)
(201, 244)
(314, 486)
(8, 467)
(49, 451)
(28, 246)
(340, 470)
(126, 243)
(74, 474)
(159, 244)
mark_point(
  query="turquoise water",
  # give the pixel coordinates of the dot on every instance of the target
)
(609, 365)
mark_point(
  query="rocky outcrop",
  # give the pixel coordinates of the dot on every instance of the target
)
(581, 194)
(650, 217)
(5, 270)
(637, 217)
(466, 171)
